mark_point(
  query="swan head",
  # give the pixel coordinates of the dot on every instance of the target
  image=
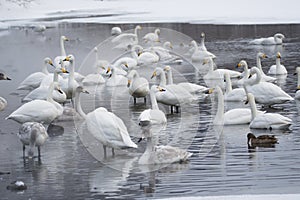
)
(70, 58)
(64, 38)
(278, 55)
(202, 35)
(279, 35)
(95, 49)
(261, 55)
(242, 63)
(168, 45)
(3, 76)
(167, 68)
(207, 60)
(157, 72)
(193, 43)
(157, 31)
(138, 27)
(297, 71)
(56, 86)
(81, 89)
(48, 60)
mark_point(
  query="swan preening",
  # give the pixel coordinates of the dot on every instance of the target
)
(105, 126)
(275, 40)
(32, 134)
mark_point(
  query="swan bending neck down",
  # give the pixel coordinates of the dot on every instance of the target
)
(155, 154)
(105, 126)
(33, 134)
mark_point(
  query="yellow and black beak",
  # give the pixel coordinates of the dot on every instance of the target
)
(108, 70)
(210, 91)
(238, 65)
(264, 56)
(161, 89)
(278, 55)
(205, 61)
(153, 75)
(51, 63)
(128, 83)
(67, 59)
(126, 65)
(64, 70)
(250, 76)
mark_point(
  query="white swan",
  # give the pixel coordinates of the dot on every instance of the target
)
(199, 55)
(231, 117)
(190, 87)
(125, 41)
(264, 77)
(42, 91)
(266, 120)
(152, 37)
(276, 39)
(163, 53)
(115, 79)
(115, 31)
(63, 53)
(72, 83)
(265, 92)
(237, 94)
(277, 69)
(129, 62)
(138, 87)
(34, 80)
(153, 115)
(245, 73)
(105, 126)
(32, 134)
(43, 111)
(3, 76)
(3, 103)
(144, 58)
(297, 95)
(174, 95)
(202, 46)
(155, 154)
(96, 78)
(218, 73)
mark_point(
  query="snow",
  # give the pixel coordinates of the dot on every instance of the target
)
(244, 197)
(137, 11)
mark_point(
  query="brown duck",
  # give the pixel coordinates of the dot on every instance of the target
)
(262, 140)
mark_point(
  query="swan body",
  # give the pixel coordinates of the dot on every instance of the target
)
(32, 134)
(266, 120)
(297, 95)
(138, 86)
(237, 94)
(72, 83)
(43, 111)
(264, 77)
(277, 69)
(199, 54)
(125, 41)
(159, 154)
(115, 79)
(235, 116)
(144, 58)
(218, 73)
(34, 80)
(265, 92)
(105, 126)
(164, 53)
(174, 94)
(277, 39)
(153, 115)
(152, 37)
(3, 103)
(116, 31)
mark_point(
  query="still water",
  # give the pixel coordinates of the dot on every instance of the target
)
(222, 164)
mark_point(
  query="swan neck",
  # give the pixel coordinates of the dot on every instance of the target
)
(220, 111)
(258, 63)
(71, 74)
(298, 80)
(78, 107)
(163, 80)
(134, 54)
(45, 69)
(55, 76)
(50, 92)
(277, 64)
(153, 100)
(228, 84)
(253, 108)
(62, 48)
(258, 76)
(169, 77)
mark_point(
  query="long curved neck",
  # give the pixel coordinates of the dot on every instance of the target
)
(277, 65)
(55, 76)
(78, 107)
(169, 77)
(71, 75)
(298, 80)
(258, 63)
(45, 69)
(228, 83)
(50, 92)
(153, 100)
(253, 108)
(162, 78)
(246, 71)
(202, 43)
(258, 76)
(134, 54)
(220, 111)
(62, 47)
(210, 65)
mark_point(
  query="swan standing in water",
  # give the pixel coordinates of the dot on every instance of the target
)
(34, 80)
(43, 111)
(266, 120)
(277, 69)
(275, 40)
(218, 73)
(264, 77)
(297, 95)
(231, 117)
(115, 79)
(160, 154)
(237, 94)
(32, 134)
(190, 87)
(265, 92)
(174, 95)
(138, 87)
(72, 83)
(199, 54)
(152, 37)
(105, 126)
(125, 41)
(154, 115)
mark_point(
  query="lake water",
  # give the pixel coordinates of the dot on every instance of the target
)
(221, 164)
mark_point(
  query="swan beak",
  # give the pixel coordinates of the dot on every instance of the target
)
(278, 55)
(161, 89)
(238, 65)
(158, 41)
(167, 68)
(126, 65)
(51, 63)
(60, 91)
(250, 76)
(67, 59)
(7, 78)
(298, 87)
(153, 75)
(108, 70)
(64, 70)
(205, 61)
(140, 139)
(246, 102)
(67, 39)
(128, 83)
(210, 91)
(139, 53)
(85, 91)
(264, 56)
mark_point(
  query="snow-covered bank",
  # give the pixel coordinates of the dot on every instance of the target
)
(137, 11)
